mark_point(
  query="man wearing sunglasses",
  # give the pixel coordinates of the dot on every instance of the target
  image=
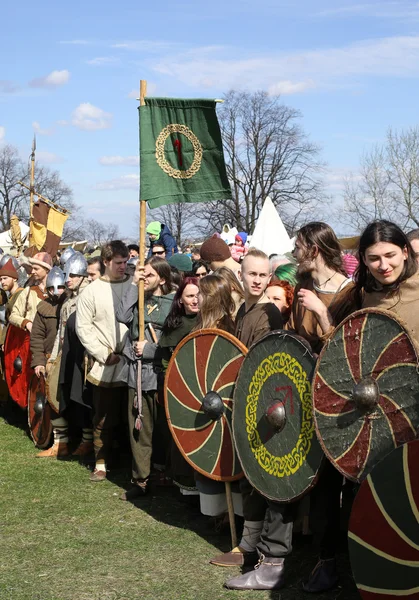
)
(158, 250)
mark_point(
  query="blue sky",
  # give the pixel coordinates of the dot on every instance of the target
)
(71, 71)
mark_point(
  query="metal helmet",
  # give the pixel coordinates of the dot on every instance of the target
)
(133, 260)
(22, 274)
(68, 253)
(4, 258)
(55, 280)
(76, 265)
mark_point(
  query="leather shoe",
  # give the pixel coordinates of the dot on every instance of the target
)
(97, 476)
(83, 449)
(56, 451)
(236, 558)
(268, 574)
(323, 577)
(139, 489)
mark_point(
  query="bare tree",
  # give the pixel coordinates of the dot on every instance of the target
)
(387, 186)
(14, 199)
(179, 218)
(267, 154)
(100, 233)
(12, 195)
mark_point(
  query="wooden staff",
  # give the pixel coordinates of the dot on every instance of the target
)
(231, 516)
(143, 215)
(31, 187)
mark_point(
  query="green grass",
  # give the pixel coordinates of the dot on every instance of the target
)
(64, 538)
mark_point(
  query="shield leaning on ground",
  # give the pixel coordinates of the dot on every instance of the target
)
(198, 389)
(39, 413)
(273, 422)
(17, 364)
(51, 384)
(384, 528)
(366, 391)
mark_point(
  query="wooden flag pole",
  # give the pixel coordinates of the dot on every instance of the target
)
(143, 215)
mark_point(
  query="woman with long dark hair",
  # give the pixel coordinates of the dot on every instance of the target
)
(179, 322)
(387, 277)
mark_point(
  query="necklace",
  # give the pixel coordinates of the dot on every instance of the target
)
(327, 280)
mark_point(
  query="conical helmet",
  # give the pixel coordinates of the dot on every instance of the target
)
(55, 280)
(4, 258)
(76, 265)
(68, 252)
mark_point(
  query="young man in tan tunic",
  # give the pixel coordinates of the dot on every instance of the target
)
(104, 339)
(256, 317)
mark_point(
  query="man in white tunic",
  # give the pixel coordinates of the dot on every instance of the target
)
(104, 338)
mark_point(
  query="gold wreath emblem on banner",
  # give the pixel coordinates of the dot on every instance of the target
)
(160, 155)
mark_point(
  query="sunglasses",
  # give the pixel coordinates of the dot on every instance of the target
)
(158, 252)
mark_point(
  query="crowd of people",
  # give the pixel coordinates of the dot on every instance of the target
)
(84, 316)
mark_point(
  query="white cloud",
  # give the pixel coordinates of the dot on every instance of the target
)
(150, 46)
(382, 10)
(38, 129)
(63, 123)
(335, 178)
(54, 79)
(2, 133)
(48, 158)
(290, 87)
(226, 68)
(126, 182)
(103, 61)
(76, 42)
(117, 161)
(91, 118)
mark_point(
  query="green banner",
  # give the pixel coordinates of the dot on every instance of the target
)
(181, 152)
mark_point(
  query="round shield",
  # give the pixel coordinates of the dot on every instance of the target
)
(384, 528)
(39, 413)
(17, 364)
(51, 385)
(273, 423)
(198, 392)
(366, 392)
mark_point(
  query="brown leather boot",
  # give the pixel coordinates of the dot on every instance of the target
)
(83, 449)
(56, 451)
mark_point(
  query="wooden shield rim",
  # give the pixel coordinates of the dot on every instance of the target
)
(381, 507)
(355, 314)
(56, 364)
(242, 348)
(47, 407)
(7, 377)
(313, 482)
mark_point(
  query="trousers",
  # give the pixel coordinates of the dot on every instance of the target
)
(276, 536)
(108, 404)
(152, 439)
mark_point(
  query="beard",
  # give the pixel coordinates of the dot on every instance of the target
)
(304, 271)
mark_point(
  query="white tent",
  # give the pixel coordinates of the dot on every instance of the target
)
(6, 242)
(270, 234)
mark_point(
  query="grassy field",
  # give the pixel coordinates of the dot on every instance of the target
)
(64, 538)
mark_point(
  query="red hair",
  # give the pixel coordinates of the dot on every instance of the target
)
(289, 295)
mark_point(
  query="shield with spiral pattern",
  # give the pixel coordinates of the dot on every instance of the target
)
(366, 391)
(199, 387)
(273, 422)
(384, 528)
